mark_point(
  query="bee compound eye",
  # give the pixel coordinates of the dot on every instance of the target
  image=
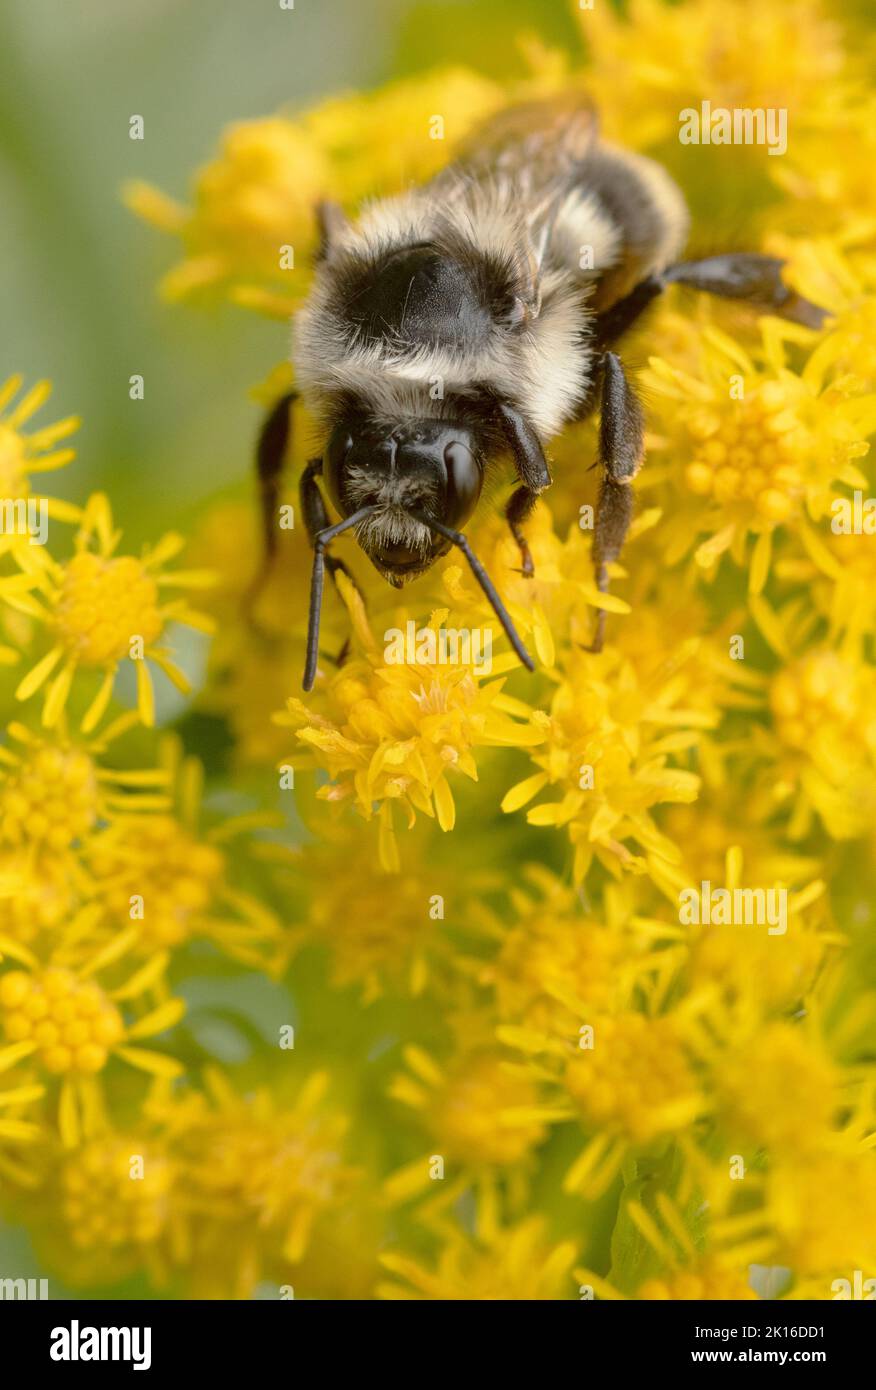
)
(464, 479)
(339, 449)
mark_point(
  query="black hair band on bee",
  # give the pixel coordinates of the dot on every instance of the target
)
(486, 583)
(317, 582)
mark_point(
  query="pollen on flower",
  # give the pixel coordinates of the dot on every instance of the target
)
(102, 604)
(752, 458)
(71, 1021)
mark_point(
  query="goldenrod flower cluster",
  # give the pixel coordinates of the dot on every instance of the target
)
(460, 982)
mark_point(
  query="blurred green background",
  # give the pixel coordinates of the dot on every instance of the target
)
(78, 271)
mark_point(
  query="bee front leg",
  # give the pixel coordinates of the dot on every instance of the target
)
(316, 519)
(621, 450)
(534, 476)
(518, 510)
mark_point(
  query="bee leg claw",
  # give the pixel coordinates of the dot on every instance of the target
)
(518, 509)
(528, 569)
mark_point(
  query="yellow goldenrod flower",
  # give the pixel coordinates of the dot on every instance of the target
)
(254, 665)
(826, 194)
(481, 1114)
(54, 792)
(510, 1263)
(779, 58)
(634, 1084)
(161, 879)
(553, 964)
(758, 1084)
(823, 723)
(22, 455)
(255, 199)
(756, 445)
(840, 574)
(393, 733)
(257, 1175)
(380, 142)
(37, 895)
(71, 1025)
(816, 1218)
(397, 934)
(101, 609)
(252, 230)
(17, 1122)
(114, 1193)
(705, 1282)
(744, 970)
(607, 753)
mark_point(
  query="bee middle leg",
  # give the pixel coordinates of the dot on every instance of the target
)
(271, 450)
(621, 450)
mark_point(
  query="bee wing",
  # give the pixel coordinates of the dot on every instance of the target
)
(539, 142)
(526, 158)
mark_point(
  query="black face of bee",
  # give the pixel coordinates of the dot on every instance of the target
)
(432, 468)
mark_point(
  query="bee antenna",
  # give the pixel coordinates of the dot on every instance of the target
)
(320, 543)
(486, 583)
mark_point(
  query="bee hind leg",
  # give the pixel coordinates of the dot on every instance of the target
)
(751, 277)
(621, 449)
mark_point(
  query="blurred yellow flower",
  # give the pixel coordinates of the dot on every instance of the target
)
(257, 1176)
(664, 57)
(498, 1264)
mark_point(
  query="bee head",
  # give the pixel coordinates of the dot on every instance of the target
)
(417, 469)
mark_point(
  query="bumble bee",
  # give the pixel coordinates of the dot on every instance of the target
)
(463, 324)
